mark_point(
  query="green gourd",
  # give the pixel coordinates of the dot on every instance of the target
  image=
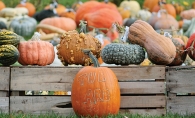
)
(9, 54)
(9, 37)
(123, 54)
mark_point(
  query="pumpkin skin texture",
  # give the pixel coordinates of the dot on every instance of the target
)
(71, 43)
(9, 54)
(123, 54)
(66, 24)
(36, 52)
(9, 37)
(23, 26)
(100, 95)
(160, 49)
(31, 8)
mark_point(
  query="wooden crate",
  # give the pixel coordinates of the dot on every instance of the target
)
(180, 89)
(142, 89)
(4, 89)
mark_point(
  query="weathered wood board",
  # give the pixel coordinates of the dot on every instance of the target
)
(4, 89)
(142, 88)
(180, 83)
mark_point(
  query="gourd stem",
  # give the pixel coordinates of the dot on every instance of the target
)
(83, 26)
(92, 57)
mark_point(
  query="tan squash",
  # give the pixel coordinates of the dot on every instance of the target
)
(160, 49)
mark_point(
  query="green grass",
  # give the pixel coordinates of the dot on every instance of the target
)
(54, 115)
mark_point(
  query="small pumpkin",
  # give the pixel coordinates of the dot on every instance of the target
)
(149, 4)
(71, 43)
(191, 28)
(58, 7)
(69, 13)
(95, 91)
(160, 49)
(179, 8)
(9, 37)
(143, 14)
(23, 26)
(9, 54)
(43, 14)
(168, 7)
(188, 14)
(125, 13)
(66, 24)
(2, 25)
(122, 54)
(31, 8)
(2, 5)
(132, 5)
(36, 52)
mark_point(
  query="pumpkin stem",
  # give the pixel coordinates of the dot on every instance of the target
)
(83, 25)
(92, 57)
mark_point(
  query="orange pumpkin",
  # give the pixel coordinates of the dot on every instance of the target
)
(36, 52)
(103, 18)
(69, 13)
(66, 24)
(149, 4)
(31, 8)
(90, 7)
(168, 7)
(60, 8)
(95, 91)
(2, 5)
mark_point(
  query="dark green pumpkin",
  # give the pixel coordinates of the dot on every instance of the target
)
(9, 37)
(122, 54)
(2, 25)
(9, 54)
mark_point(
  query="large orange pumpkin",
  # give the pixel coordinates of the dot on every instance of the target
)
(2, 5)
(103, 18)
(64, 23)
(90, 7)
(36, 52)
(31, 8)
(95, 91)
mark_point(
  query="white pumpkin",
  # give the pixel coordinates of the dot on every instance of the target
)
(144, 15)
(21, 11)
(8, 12)
(132, 5)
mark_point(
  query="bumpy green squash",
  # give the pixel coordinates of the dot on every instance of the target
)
(122, 54)
(9, 37)
(9, 54)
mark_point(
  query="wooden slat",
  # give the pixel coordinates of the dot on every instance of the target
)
(140, 72)
(181, 104)
(181, 81)
(142, 87)
(42, 78)
(143, 101)
(61, 78)
(4, 104)
(36, 104)
(154, 112)
(4, 78)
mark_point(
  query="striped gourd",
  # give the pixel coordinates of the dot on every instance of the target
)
(9, 37)
(9, 54)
